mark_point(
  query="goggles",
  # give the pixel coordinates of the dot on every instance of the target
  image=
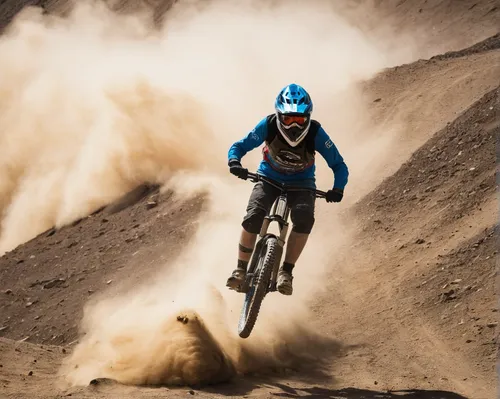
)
(288, 120)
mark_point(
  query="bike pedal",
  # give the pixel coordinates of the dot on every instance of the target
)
(236, 289)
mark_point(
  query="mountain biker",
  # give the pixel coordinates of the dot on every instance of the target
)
(291, 138)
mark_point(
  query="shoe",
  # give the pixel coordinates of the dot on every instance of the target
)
(284, 283)
(236, 280)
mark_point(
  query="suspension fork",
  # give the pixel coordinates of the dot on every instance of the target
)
(280, 213)
(265, 226)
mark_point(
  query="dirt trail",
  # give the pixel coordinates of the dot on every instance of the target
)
(408, 308)
(425, 271)
(425, 96)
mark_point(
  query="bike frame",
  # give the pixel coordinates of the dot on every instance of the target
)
(280, 212)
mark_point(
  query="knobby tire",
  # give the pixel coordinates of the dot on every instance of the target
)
(256, 294)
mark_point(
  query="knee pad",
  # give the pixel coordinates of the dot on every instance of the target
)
(252, 222)
(303, 219)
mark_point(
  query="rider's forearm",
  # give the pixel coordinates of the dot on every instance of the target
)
(236, 152)
(252, 140)
(239, 149)
(341, 173)
(334, 160)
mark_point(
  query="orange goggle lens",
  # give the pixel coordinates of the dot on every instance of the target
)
(289, 119)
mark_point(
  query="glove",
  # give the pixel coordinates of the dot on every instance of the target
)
(334, 195)
(236, 169)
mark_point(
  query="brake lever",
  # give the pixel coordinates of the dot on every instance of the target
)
(253, 177)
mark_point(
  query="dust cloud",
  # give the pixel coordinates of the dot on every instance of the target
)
(93, 104)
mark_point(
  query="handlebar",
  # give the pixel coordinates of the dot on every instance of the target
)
(254, 177)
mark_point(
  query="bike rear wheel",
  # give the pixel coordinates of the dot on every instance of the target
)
(258, 290)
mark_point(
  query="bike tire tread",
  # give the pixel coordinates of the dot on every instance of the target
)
(262, 283)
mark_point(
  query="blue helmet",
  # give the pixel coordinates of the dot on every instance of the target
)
(293, 113)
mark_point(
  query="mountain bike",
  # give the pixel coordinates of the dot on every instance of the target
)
(262, 272)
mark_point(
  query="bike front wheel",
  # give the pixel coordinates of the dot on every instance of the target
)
(269, 253)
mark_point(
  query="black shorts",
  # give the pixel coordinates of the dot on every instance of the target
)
(262, 198)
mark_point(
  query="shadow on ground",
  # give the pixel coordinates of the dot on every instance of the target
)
(293, 381)
(286, 391)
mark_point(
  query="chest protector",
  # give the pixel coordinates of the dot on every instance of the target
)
(286, 159)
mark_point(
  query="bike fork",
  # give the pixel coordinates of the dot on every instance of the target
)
(279, 213)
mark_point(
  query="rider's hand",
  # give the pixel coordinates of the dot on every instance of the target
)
(236, 169)
(334, 195)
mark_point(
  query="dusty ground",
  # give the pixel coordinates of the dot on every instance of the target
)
(413, 302)
(95, 253)
(444, 25)
(424, 270)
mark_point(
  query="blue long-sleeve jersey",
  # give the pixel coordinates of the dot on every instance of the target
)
(323, 144)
